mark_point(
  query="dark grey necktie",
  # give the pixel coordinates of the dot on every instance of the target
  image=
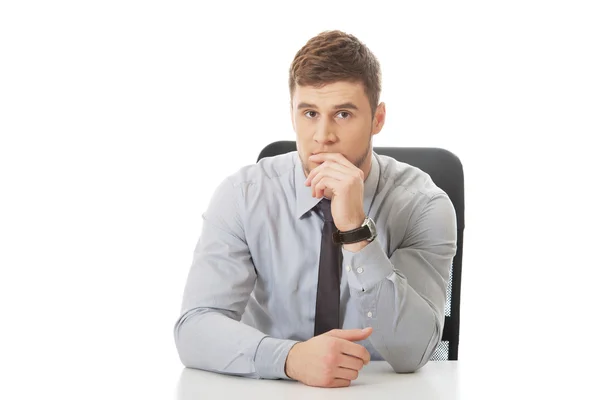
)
(330, 264)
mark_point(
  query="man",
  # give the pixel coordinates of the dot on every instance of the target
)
(299, 252)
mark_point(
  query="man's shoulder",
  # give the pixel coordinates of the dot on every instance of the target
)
(400, 177)
(266, 170)
(254, 187)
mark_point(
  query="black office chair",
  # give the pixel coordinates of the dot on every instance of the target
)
(446, 172)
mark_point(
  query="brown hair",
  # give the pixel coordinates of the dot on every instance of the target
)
(334, 56)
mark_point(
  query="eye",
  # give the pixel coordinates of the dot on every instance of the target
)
(344, 114)
(310, 114)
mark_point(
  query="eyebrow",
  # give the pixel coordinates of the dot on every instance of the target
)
(339, 106)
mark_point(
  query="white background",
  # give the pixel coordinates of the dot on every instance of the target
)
(119, 118)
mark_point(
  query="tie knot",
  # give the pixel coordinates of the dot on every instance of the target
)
(325, 206)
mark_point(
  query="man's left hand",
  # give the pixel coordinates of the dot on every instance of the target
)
(346, 182)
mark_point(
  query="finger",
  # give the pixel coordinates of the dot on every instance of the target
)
(351, 362)
(351, 334)
(356, 350)
(331, 156)
(331, 173)
(324, 183)
(340, 382)
(327, 164)
(345, 373)
(315, 187)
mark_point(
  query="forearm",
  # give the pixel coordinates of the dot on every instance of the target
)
(406, 326)
(210, 340)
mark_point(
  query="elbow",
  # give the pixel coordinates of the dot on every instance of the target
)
(184, 354)
(191, 353)
(188, 362)
(409, 360)
(405, 367)
(180, 347)
(187, 348)
(185, 361)
(195, 341)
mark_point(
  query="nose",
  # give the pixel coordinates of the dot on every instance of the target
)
(325, 133)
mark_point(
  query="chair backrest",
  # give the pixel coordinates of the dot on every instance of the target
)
(446, 172)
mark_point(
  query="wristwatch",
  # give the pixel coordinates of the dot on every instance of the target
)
(366, 232)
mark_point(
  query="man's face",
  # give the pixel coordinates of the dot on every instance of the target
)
(335, 118)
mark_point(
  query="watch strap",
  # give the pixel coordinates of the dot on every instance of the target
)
(352, 236)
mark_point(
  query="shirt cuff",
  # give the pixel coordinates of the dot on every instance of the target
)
(367, 267)
(271, 356)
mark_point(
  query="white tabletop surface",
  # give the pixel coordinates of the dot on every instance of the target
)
(436, 380)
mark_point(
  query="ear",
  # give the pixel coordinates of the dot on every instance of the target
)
(378, 119)
(292, 116)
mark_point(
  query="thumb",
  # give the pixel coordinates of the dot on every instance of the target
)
(351, 334)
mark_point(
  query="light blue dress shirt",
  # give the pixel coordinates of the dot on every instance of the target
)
(251, 290)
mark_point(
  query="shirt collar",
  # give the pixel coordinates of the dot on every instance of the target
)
(304, 200)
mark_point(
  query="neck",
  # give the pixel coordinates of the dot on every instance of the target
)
(367, 164)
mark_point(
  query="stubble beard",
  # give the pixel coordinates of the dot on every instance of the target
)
(358, 163)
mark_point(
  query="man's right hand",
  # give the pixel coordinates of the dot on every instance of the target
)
(330, 359)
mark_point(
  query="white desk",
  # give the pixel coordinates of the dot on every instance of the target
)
(377, 380)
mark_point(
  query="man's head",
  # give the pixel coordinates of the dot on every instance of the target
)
(335, 84)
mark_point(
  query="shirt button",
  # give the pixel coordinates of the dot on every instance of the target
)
(369, 314)
(348, 268)
(359, 270)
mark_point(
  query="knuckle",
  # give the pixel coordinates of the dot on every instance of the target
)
(328, 372)
(332, 345)
(328, 381)
(330, 359)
